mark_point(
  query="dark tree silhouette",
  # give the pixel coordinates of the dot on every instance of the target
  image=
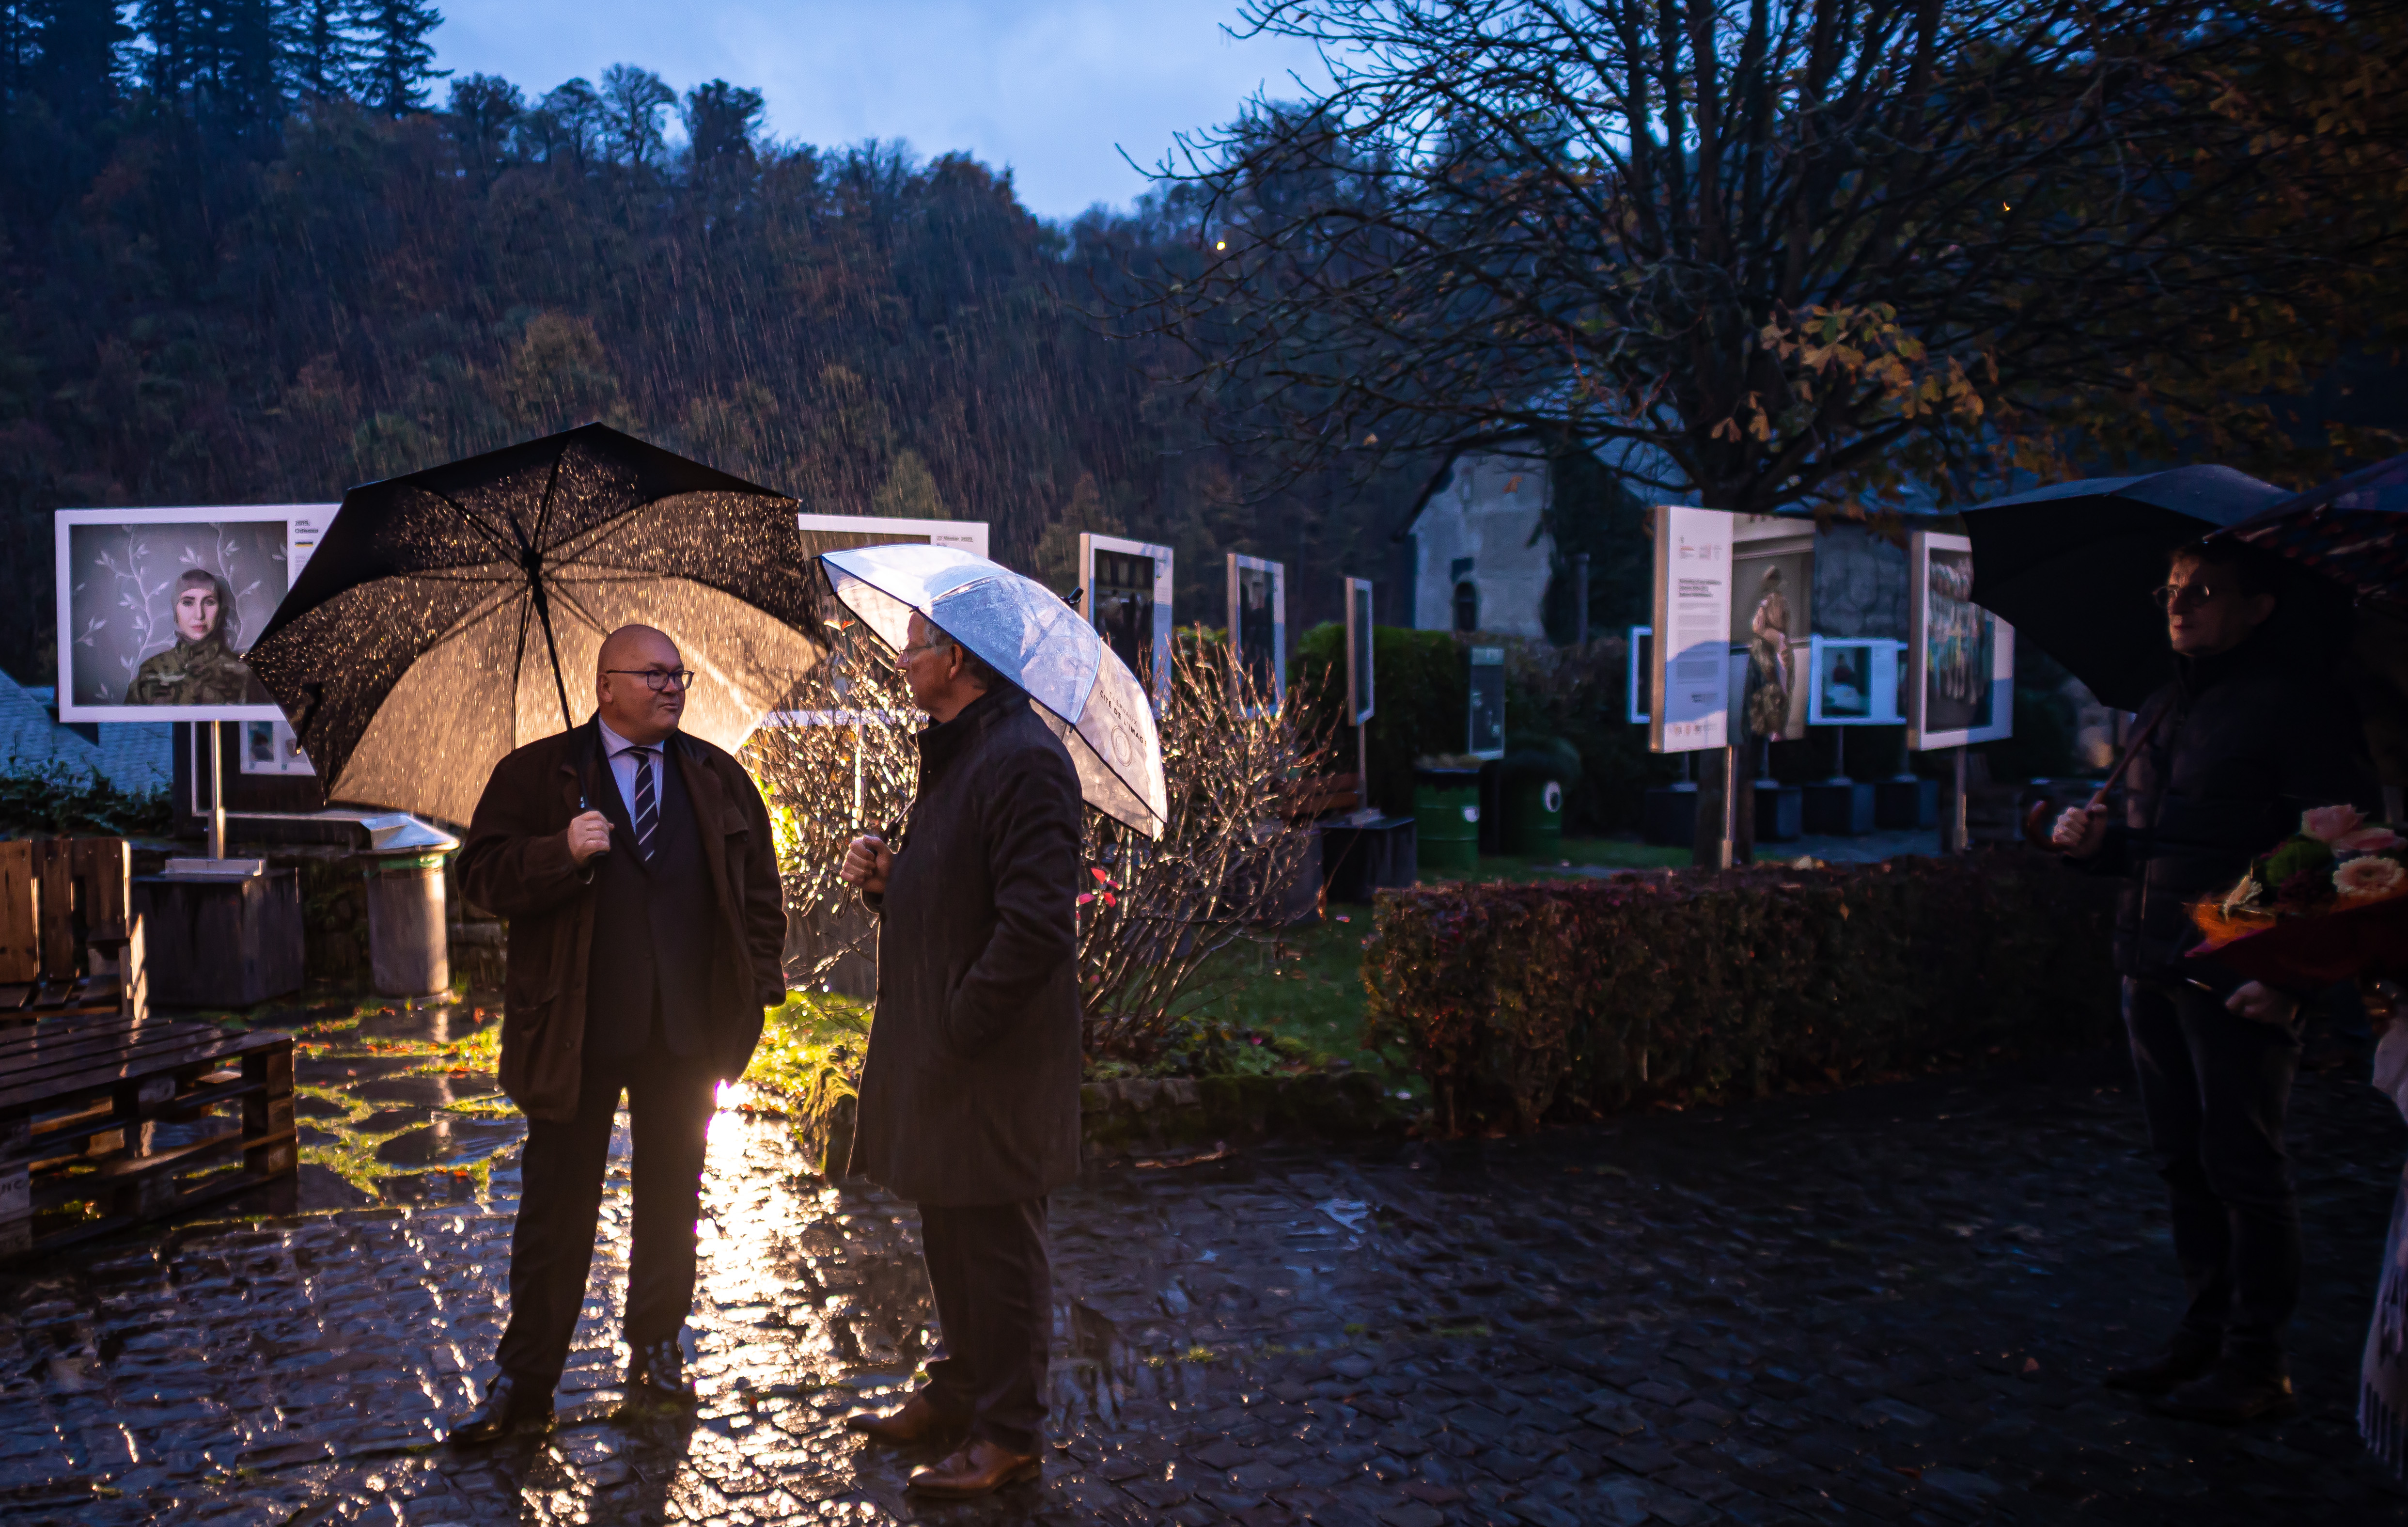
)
(1839, 251)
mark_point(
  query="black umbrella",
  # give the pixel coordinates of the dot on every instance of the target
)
(2071, 567)
(452, 614)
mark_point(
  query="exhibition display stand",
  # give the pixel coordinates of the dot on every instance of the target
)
(221, 932)
(1359, 857)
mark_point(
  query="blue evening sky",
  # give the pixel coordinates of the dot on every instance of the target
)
(1046, 88)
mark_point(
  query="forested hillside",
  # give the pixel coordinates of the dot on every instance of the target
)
(258, 251)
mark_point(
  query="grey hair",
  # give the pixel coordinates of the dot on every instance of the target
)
(980, 671)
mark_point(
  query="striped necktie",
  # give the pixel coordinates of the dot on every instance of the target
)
(648, 804)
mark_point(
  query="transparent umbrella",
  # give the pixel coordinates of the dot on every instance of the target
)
(1025, 631)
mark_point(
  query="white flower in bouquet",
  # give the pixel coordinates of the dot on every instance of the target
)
(2368, 876)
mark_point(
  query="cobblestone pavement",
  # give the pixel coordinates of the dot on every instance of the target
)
(1891, 1304)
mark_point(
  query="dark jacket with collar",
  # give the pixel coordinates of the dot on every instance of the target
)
(2247, 743)
(970, 1094)
(516, 862)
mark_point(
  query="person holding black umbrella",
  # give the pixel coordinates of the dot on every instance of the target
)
(2227, 759)
(646, 923)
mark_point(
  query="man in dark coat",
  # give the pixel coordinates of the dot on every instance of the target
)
(646, 928)
(2237, 748)
(970, 1095)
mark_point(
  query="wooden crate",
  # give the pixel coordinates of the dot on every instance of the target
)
(67, 944)
(134, 1119)
(228, 942)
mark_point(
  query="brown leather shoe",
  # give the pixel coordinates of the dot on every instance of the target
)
(975, 1468)
(917, 1421)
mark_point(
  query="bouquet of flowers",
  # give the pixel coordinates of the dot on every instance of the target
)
(2327, 903)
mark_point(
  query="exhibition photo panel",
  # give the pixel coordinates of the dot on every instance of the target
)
(1127, 589)
(1772, 584)
(1853, 682)
(1689, 676)
(1258, 622)
(158, 607)
(1960, 658)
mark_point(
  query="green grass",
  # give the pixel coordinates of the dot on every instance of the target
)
(811, 1050)
(1598, 852)
(1299, 984)
(1304, 987)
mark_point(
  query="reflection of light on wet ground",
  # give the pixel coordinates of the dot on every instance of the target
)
(1688, 1319)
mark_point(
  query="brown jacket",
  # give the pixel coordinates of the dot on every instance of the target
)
(517, 863)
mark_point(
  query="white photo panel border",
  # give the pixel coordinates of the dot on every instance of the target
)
(1238, 566)
(1921, 736)
(304, 526)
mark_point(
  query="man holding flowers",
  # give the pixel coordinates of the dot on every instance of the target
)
(2237, 750)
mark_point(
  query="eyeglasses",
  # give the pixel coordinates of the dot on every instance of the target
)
(2173, 597)
(907, 653)
(656, 679)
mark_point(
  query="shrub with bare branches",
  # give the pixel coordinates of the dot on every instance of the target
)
(1150, 915)
(848, 766)
(1155, 912)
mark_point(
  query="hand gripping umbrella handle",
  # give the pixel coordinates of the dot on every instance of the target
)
(2036, 830)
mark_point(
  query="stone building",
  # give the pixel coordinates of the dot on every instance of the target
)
(1480, 553)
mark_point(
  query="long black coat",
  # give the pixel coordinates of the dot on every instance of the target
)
(970, 1091)
(2247, 743)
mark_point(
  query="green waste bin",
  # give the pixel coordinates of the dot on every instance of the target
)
(1446, 820)
(1534, 816)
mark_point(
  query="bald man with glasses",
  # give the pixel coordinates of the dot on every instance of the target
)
(646, 928)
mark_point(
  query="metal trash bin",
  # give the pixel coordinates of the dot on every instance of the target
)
(409, 953)
(1446, 820)
(1534, 816)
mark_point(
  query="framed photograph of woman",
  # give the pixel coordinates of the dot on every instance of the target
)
(1772, 584)
(1960, 678)
(156, 607)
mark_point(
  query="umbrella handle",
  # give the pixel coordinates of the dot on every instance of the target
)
(2036, 823)
(2130, 753)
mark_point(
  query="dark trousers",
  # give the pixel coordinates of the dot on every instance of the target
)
(2215, 1088)
(993, 1285)
(669, 1102)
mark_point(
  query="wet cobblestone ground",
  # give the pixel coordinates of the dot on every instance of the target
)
(1888, 1305)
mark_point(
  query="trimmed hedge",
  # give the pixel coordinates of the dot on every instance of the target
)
(1423, 702)
(1521, 1004)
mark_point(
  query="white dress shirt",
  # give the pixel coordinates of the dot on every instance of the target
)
(621, 755)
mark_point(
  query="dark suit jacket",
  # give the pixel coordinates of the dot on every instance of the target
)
(652, 925)
(517, 863)
(970, 1091)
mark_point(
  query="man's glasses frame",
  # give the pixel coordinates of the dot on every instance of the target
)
(657, 679)
(2170, 597)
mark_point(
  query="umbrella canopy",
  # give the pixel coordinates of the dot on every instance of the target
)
(2071, 566)
(453, 615)
(1025, 632)
(2353, 531)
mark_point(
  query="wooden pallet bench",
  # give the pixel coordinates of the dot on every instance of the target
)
(68, 944)
(116, 1120)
